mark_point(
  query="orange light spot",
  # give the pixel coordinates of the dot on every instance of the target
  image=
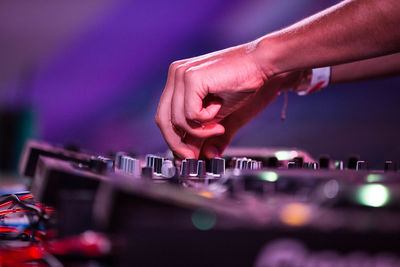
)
(206, 194)
(295, 214)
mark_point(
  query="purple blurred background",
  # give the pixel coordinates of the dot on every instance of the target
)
(93, 71)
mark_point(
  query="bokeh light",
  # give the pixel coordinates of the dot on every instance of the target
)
(373, 195)
(285, 155)
(206, 194)
(331, 189)
(203, 219)
(372, 178)
(295, 214)
(269, 176)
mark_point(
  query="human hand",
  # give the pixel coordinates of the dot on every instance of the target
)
(215, 146)
(202, 91)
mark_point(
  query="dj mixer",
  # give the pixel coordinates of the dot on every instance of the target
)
(252, 207)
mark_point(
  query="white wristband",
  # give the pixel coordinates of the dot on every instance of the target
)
(319, 80)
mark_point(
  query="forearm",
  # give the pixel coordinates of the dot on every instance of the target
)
(366, 69)
(350, 31)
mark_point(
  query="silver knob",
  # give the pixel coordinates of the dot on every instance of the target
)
(168, 170)
(130, 165)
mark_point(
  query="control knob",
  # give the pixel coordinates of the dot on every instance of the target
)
(129, 165)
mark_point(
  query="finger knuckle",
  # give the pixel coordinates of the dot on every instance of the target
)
(174, 65)
(180, 70)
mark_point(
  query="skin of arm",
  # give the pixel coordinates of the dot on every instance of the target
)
(349, 31)
(366, 69)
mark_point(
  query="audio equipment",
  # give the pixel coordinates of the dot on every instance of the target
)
(252, 207)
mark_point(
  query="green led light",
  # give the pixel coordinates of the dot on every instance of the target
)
(203, 219)
(286, 155)
(283, 155)
(373, 195)
(371, 178)
(269, 176)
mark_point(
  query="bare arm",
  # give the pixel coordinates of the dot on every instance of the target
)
(366, 69)
(349, 31)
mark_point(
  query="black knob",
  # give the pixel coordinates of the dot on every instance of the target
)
(390, 166)
(155, 162)
(298, 162)
(324, 161)
(362, 165)
(291, 165)
(192, 166)
(272, 162)
(184, 168)
(201, 169)
(149, 160)
(352, 161)
(158, 164)
(217, 166)
(189, 167)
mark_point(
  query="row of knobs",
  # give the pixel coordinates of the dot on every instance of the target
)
(193, 168)
(299, 163)
(128, 164)
(158, 166)
(156, 163)
(198, 168)
(353, 163)
(246, 164)
(323, 163)
(155, 166)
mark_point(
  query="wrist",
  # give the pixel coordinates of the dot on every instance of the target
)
(269, 55)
